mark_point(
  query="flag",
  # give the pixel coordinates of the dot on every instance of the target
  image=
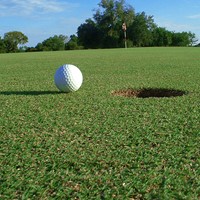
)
(124, 26)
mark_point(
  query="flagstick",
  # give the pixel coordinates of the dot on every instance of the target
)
(125, 39)
(124, 29)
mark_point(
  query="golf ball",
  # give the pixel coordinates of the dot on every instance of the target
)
(68, 78)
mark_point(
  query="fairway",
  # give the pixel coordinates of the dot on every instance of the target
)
(90, 144)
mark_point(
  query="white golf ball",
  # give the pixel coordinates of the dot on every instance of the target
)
(68, 78)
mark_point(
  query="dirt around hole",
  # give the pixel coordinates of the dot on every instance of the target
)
(148, 93)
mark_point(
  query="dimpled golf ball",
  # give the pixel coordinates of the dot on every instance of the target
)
(68, 78)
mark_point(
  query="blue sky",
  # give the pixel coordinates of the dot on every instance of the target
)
(41, 19)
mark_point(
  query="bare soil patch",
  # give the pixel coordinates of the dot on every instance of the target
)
(148, 93)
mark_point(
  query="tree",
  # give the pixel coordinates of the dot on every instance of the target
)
(72, 44)
(54, 43)
(197, 45)
(89, 35)
(182, 39)
(13, 39)
(141, 30)
(39, 47)
(109, 19)
(192, 38)
(161, 37)
(2, 46)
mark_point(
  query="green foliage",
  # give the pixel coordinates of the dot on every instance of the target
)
(183, 39)
(112, 16)
(106, 29)
(90, 144)
(2, 46)
(12, 40)
(39, 47)
(141, 30)
(89, 35)
(54, 43)
(162, 37)
(73, 43)
(198, 45)
(109, 19)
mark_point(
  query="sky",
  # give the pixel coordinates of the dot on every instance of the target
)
(41, 19)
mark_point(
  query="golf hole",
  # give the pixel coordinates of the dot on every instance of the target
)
(148, 93)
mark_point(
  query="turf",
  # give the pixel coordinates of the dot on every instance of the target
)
(90, 144)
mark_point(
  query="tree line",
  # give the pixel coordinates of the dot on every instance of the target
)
(105, 30)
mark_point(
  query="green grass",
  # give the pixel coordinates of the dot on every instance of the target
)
(90, 144)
